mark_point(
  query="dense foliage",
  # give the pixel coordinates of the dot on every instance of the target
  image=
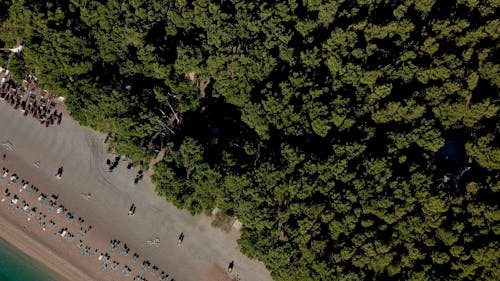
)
(314, 122)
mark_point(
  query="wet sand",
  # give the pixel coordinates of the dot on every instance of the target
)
(204, 254)
(20, 238)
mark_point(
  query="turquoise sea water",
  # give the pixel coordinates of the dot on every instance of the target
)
(16, 266)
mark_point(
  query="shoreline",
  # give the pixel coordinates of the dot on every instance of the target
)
(203, 256)
(18, 238)
(44, 245)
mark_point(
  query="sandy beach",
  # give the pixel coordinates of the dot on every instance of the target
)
(204, 254)
(21, 239)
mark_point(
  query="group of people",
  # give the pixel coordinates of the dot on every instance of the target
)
(20, 97)
(58, 214)
(138, 177)
(112, 164)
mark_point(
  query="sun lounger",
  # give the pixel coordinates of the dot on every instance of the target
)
(85, 196)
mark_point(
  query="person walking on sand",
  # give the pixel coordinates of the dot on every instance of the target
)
(59, 173)
(4, 156)
(181, 238)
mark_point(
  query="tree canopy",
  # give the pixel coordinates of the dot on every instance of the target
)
(315, 123)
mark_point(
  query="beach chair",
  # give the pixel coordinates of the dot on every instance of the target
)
(86, 196)
(31, 215)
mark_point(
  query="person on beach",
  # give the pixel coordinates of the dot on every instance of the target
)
(4, 156)
(59, 172)
(181, 239)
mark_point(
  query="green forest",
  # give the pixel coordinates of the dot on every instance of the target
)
(316, 123)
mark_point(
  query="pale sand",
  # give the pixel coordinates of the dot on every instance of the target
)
(204, 255)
